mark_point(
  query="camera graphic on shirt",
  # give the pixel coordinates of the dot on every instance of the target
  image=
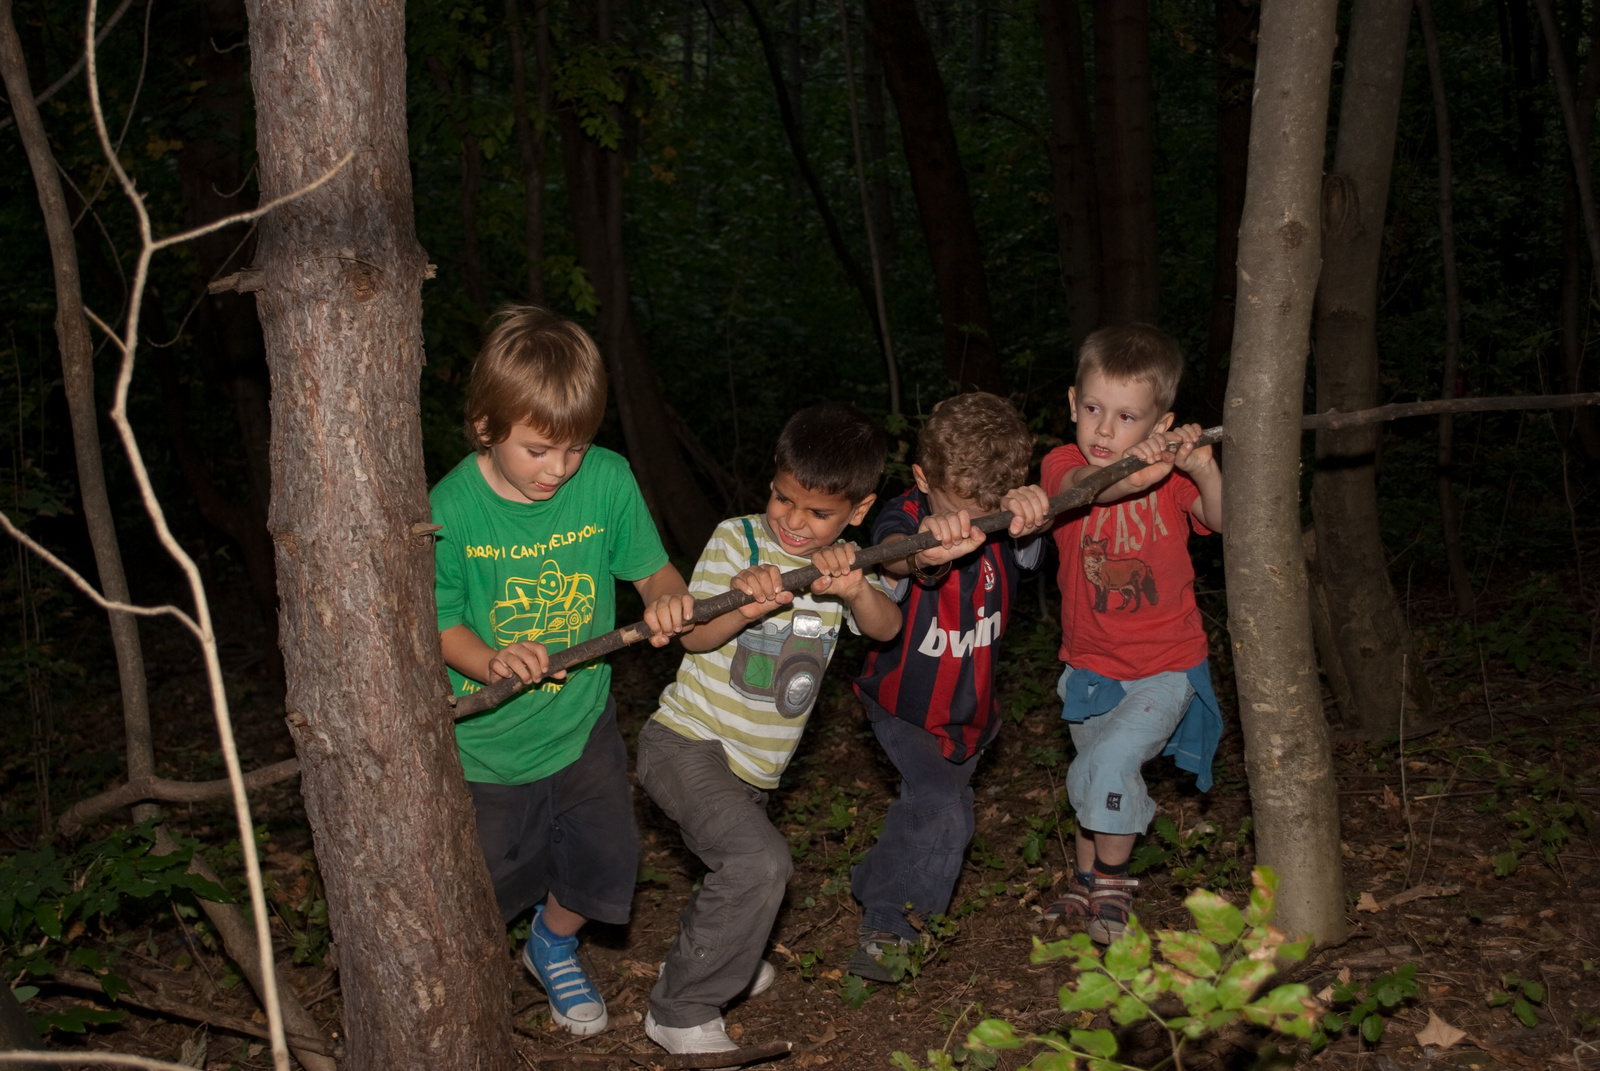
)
(783, 662)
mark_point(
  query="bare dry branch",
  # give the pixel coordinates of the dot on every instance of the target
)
(1400, 410)
(74, 818)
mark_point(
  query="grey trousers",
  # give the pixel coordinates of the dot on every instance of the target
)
(724, 930)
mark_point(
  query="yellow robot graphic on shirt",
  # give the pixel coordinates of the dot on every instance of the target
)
(551, 610)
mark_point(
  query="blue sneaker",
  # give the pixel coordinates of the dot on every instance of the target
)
(574, 1002)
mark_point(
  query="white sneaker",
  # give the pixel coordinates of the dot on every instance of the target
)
(766, 974)
(707, 1037)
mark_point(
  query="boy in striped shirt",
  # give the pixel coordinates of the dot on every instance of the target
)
(729, 723)
(930, 693)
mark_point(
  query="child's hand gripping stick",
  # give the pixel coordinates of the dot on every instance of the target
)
(800, 579)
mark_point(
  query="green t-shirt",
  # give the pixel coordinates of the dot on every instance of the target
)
(545, 572)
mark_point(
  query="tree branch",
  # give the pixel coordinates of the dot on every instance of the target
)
(75, 817)
(77, 68)
(733, 1058)
(177, 1009)
(1334, 419)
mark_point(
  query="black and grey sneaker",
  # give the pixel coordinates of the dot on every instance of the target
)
(867, 960)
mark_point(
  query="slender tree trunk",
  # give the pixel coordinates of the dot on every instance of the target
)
(422, 960)
(1369, 624)
(1071, 150)
(1519, 45)
(1236, 60)
(1286, 738)
(944, 203)
(887, 336)
(460, 105)
(1583, 424)
(531, 141)
(1124, 113)
(1452, 320)
(77, 377)
(72, 330)
(790, 119)
(214, 175)
(1577, 139)
(878, 149)
(594, 199)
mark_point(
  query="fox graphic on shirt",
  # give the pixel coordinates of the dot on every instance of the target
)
(1132, 578)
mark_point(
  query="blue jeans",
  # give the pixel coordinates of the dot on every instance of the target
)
(918, 855)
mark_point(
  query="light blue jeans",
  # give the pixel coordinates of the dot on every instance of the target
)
(1104, 784)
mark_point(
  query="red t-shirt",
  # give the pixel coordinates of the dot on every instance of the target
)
(1127, 584)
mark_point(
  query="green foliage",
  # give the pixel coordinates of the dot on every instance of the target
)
(1199, 855)
(1522, 994)
(50, 901)
(1369, 1004)
(1217, 973)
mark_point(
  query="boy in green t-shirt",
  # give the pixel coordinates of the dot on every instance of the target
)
(537, 525)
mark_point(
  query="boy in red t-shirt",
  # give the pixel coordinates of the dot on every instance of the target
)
(1137, 683)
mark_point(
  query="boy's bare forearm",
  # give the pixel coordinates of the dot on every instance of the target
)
(1121, 489)
(465, 653)
(877, 616)
(1209, 481)
(716, 632)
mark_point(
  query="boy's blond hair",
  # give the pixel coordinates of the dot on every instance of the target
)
(535, 368)
(975, 446)
(1134, 353)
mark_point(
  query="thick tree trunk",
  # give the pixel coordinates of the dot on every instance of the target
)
(1295, 799)
(1374, 641)
(944, 203)
(1071, 150)
(422, 960)
(594, 199)
(1236, 61)
(1124, 120)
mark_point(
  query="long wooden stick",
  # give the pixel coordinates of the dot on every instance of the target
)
(800, 579)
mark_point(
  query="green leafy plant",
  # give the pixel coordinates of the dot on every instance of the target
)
(1522, 994)
(1199, 855)
(1215, 972)
(54, 908)
(1370, 1002)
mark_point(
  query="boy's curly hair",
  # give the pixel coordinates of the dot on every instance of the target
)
(833, 448)
(535, 368)
(975, 446)
(1134, 353)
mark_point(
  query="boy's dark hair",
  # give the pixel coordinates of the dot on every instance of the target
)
(535, 368)
(975, 446)
(833, 448)
(1134, 353)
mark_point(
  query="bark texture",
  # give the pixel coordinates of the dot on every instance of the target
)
(1368, 622)
(1071, 150)
(1280, 703)
(944, 203)
(1123, 129)
(421, 950)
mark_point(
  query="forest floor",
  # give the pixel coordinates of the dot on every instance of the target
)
(1472, 859)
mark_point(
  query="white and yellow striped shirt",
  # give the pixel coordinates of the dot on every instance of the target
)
(755, 693)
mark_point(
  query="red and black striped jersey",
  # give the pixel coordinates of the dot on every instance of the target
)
(939, 672)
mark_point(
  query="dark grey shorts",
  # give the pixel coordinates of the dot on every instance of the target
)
(571, 833)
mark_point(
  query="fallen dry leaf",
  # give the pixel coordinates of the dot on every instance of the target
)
(1368, 902)
(822, 1039)
(1421, 892)
(1438, 1032)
